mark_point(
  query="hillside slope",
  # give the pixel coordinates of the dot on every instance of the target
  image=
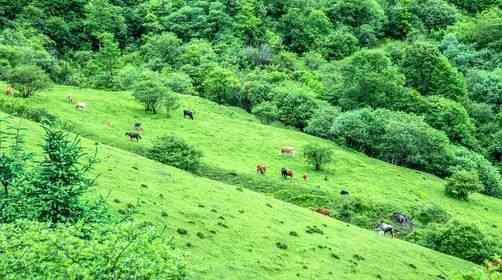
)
(235, 141)
(233, 233)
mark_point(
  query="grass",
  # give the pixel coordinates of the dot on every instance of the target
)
(233, 233)
(233, 142)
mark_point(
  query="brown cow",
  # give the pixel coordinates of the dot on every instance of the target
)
(288, 151)
(9, 91)
(305, 177)
(324, 211)
(290, 173)
(496, 264)
(261, 168)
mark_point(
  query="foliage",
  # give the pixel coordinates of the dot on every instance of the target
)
(434, 14)
(86, 251)
(222, 86)
(321, 121)
(179, 82)
(174, 151)
(356, 13)
(295, 105)
(461, 240)
(430, 72)
(154, 95)
(341, 44)
(317, 155)
(462, 183)
(27, 80)
(430, 213)
(266, 111)
(106, 61)
(486, 87)
(160, 51)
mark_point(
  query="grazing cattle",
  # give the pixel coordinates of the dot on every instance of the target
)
(81, 106)
(70, 99)
(133, 135)
(188, 114)
(290, 173)
(261, 168)
(9, 91)
(288, 151)
(324, 211)
(305, 177)
(384, 228)
(344, 192)
(401, 219)
(496, 264)
(284, 173)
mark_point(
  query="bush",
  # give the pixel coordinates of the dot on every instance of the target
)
(154, 96)
(317, 155)
(27, 80)
(322, 120)
(179, 82)
(434, 14)
(428, 214)
(174, 151)
(20, 109)
(222, 86)
(465, 241)
(462, 183)
(295, 105)
(486, 86)
(123, 251)
(341, 44)
(267, 112)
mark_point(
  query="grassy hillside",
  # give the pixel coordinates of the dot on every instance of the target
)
(232, 232)
(235, 141)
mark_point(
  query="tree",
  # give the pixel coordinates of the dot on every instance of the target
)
(154, 95)
(161, 50)
(222, 86)
(61, 178)
(12, 156)
(179, 82)
(430, 72)
(107, 60)
(317, 155)
(486, 87)
(341, 44)
(88, 251)
(295, 105)
(355, 13)
(434, 14)
(104, 17)
(322, 120)
(28, 79)
(462, 183)
(266, 111)
(175, 151)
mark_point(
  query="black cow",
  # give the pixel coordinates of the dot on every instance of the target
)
(284, 173)
(133, 136)
(401, 218)
(188, 114)
(344, 192)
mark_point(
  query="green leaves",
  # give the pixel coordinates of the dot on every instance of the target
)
(174, 151)
(317, 155)
(27, 80)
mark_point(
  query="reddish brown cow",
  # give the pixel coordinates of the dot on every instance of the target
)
(290, 173)
(261, 168)
(305, 177)
(289, 151)
(324, 211)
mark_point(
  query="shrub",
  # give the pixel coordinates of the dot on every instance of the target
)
(465, 241)
(84, 251)
(154, 96)
(295, 105)
(267, 112)
(434, 14)
(28, 79)
(431, 213)
(179, 82)
(317, 155)
(322, 120)
(174, 151)
(341, 44)
(222, 86)
(486, 86)
(462, 183)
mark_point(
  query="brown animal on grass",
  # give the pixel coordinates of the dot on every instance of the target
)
(70, 99)
(305, 177)
(261, 168)
(81, 106)
(324, 211)
(9, 91)
(288, 151)
(290, 173)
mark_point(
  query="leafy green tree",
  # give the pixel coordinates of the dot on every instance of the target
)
(303, 29)
(430, 72)
(222, 86)
(399, 18)
(355, 13)
(196, 59)
(341, 44)
(475, 6)
(12, 156)
(155, 96)
(370, 79)
(27, 80)
(495, 149)
(486, 87)
(462, 184)
(179, 82)
(295, 105)
(175, 151)
(465, 241)
(434, 14)
(266, 111)
(322, 120)
(61, 178)
(317, 155)
(249, 21)
(102, 16)
(452, 118)
(88, 251)
(161, 50)
(485, 31)
(107, 61)
(255, 92)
